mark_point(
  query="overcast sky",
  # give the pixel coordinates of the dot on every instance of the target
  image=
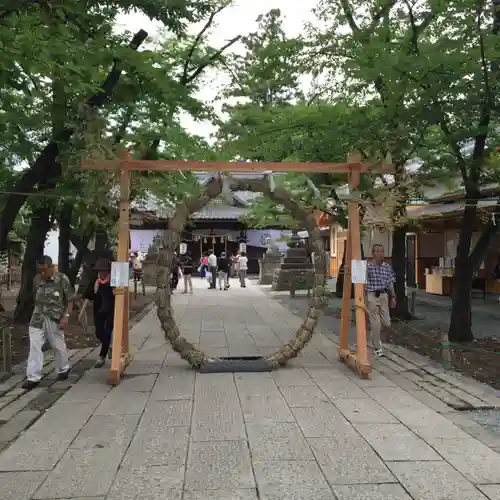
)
(239, 19)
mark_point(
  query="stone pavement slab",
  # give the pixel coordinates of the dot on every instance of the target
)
(443, 390)
(310, 430)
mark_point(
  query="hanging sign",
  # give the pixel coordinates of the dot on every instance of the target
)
(183, 248)
(243, 247)
(119, 274)
(358, 271)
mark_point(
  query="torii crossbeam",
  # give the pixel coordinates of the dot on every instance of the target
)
(124, 165)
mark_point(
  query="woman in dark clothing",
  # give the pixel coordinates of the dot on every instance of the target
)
(175, 272)
(224, 265)
(187, 271)
(102, 296)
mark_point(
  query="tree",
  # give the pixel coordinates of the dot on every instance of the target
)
(269, 118)
(300, 132)
(267, 74)
(140, 89)
(74, 42)
(277, 121)
(366, 54)
(432, 67)
(461, 91)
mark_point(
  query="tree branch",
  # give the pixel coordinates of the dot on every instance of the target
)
(349, 14)
(122, 130)
(478, 253)
(384, 10)
(417, 29)
(109, 85)
(383, 179)
(216, 55)
(452, 143)
(443, 125)
(197, 40)
(487, 105)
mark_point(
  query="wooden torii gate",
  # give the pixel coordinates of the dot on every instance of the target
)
(124, 165)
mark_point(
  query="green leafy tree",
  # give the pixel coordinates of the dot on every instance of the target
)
(264, 123)
(364, 53)
(87, 102)
(315, 132)
(431, 68)
(64, 61)
(268, 72)
(460, 91)
(264, 79)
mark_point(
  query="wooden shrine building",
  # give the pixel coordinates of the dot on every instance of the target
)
(219, 226)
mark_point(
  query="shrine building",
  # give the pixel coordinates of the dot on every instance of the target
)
(219, 226)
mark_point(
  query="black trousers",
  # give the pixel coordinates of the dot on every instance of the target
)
(175, 280)
(104, 332)
(213, 270)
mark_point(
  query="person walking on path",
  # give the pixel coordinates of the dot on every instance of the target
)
(102, 296)
(212, 268)
(54, 297)
(234, 265)
(380, 294)
(243, 268)
(224, 265)
(187, 271)
(203, 265)
(174, 281)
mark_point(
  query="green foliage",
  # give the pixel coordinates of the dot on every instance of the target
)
(265, 213)
(267, 73)
(427, 68)
(55, 57)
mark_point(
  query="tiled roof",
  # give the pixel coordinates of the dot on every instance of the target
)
(220, 213)
(204, 176)
(438, 209)
(245, 197)
(218, 208)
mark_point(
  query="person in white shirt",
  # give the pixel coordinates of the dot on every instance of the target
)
(212, 267)
(242, 268)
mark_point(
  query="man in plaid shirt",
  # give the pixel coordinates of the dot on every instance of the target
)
(380, 280)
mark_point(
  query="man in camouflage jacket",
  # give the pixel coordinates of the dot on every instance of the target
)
(53, 305)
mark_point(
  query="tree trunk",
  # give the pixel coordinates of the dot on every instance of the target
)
(82, 253)
(41, 223)
(398, 260)
(339, 288)
(65, 217)
(461, 316)
(101, 250)
(461, 321)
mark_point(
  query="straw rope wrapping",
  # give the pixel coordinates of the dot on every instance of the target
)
(172, 239)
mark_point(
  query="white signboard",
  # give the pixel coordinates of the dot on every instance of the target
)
(119, 274)
(183, 248)
(358, 271)
(243, 247)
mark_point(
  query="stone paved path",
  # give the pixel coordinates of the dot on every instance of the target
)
(309, 431)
